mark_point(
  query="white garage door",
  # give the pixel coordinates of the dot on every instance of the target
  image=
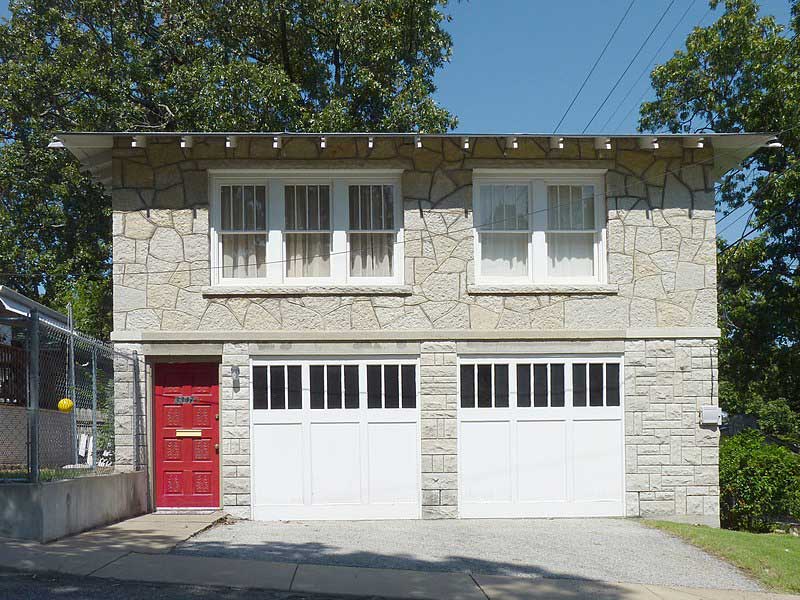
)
(335, 440)
(540, 437)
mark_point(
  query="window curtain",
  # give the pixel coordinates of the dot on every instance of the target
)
(570, 254)
(371, 254)
(244, 256)
(308, 254)
(504, 254)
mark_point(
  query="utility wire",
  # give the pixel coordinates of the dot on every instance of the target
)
(630, 64)
(650, 64)
(594, 66)
(638, 103)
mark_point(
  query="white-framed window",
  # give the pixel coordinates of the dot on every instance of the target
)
(306, 227)
(535, 226)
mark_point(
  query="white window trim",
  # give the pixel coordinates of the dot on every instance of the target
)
(538, 180)
(275, 180)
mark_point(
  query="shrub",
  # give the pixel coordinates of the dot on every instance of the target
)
(759, 482)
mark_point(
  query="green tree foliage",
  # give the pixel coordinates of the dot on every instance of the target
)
(759, 483)
(742, 73)
(170, 65)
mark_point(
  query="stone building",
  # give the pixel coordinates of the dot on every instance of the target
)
(401, 325)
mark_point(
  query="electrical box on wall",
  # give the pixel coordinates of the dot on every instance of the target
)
(711, 415)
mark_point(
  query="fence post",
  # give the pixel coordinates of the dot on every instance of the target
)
(72, 390)
(94, 407)
(33, 395)
(136, 416)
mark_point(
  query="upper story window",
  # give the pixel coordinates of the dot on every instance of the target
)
(539, 227)
(306, 227)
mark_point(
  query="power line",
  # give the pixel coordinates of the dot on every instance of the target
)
(630, 64)
(594, 66)
(638, 103)
(652, 60)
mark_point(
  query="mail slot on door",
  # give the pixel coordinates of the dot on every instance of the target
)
(188, 433)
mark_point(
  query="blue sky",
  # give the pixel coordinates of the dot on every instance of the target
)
(517, 64)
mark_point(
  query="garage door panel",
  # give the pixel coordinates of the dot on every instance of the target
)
(392, 478)
(279, 449)
(335, 463)
(335, 439)
(542, 460)
(598, 466)
(485, 462)
(540, 437)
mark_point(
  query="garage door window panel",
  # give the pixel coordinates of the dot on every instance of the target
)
(548, 446)
(350, 458)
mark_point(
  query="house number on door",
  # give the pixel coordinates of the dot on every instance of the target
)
(184, 400)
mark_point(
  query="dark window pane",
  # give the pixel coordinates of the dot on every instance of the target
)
(334, 386)
(294, 375)
(374, 386)
(260, 388)
(557, 385)
(316, 374)
(501, 385)
(277, 387)
(409, 386)
(595, 384)
(467, 386)
(540, 385)
(391, 386)
(523, 385)
(485, 386)
(579, 385)
(612, 384)
(351, 386)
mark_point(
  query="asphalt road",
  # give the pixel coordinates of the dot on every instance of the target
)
(21, 585)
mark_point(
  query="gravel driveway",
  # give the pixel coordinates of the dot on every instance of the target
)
(616, 550)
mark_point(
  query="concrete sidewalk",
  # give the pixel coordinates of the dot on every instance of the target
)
(138, 550)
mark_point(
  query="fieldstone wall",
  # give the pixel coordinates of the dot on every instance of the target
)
(671, 462)
(661, 255)
(130, 409)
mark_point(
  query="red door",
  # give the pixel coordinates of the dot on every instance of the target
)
(187, 435)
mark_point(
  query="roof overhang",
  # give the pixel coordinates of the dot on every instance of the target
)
(15, 304)
(93, 149)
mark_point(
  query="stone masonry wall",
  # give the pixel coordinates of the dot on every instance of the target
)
(661, 254)
(235, 430)
(671, 462)
(130, 412)
(438, 406)
(661, 274)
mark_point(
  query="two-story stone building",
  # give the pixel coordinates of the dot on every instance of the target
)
(400, 325)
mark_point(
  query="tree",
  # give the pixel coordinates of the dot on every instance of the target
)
(742, 73)
(191, 65)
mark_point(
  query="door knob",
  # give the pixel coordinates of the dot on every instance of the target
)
(216, 447)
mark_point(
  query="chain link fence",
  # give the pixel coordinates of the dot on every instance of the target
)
(57, 402)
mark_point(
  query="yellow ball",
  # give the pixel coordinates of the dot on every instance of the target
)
(65, 405)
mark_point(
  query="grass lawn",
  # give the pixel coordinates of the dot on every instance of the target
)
(772, 558)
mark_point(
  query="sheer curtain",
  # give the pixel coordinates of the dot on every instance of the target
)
(243, 232)
(308, 230)
(308, 254)
(371, 254)
(571, 231)
(244, 256)
(372, 234)
(504, 232)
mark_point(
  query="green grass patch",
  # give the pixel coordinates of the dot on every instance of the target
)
(21, 475)
(771, 558)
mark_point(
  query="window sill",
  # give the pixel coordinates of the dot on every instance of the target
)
(542, 289)
(222, 291)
